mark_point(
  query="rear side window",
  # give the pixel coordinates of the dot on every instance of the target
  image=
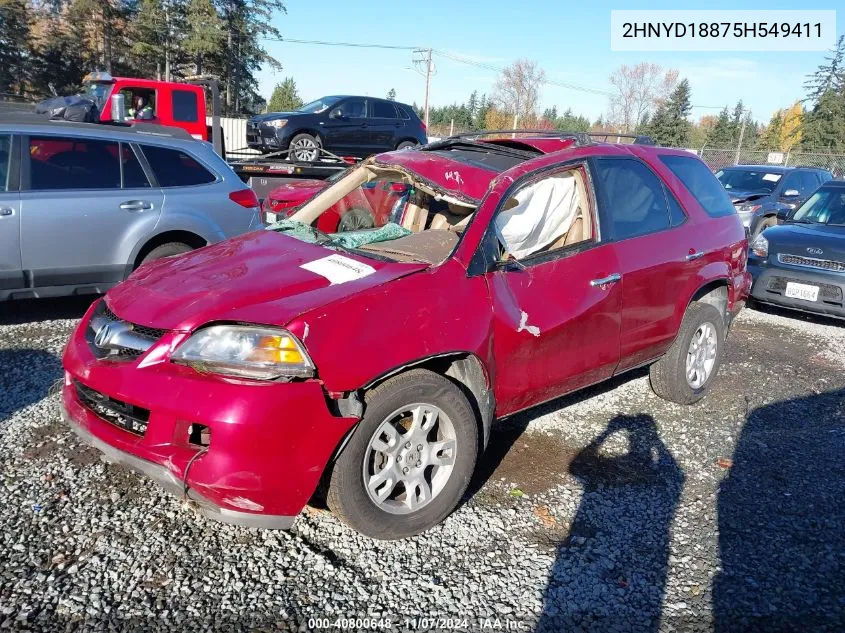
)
(383, 110)
(185, 107)
(701, 183)
(133, 174)
(633, 199)
(404, 112)
(174, 168)
(73, 163)
(825, 176)
(5, 154)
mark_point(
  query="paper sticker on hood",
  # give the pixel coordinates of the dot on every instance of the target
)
(339, 269)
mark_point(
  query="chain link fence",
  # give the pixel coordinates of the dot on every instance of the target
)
(718, 158)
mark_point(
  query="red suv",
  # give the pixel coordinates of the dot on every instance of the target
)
(242, 374)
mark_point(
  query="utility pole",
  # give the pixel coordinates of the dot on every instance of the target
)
(424, 59)
(741, 134)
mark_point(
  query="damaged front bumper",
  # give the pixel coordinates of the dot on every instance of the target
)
(264, 445)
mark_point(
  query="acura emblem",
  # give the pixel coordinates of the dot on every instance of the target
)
(103, 335)
(815, 251)
(109, 333)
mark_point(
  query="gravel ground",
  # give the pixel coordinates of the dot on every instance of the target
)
(610, 510)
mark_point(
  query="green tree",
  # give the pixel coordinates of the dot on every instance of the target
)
(391, 95)
(824, 126)
(721, 136)
(770, 137)
(285, 97)
(670, 125)
(828, 76)
(158, 33)
(204, 35)
(15, 50)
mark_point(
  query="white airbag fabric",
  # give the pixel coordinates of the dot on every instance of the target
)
(544, 212)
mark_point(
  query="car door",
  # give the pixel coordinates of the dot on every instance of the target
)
(84, 204)
(345, 128)
(11, 272)
(383, 125)
(658, 252)
(555, 303)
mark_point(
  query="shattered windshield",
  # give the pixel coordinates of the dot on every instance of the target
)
(320, 105)
(382, 212)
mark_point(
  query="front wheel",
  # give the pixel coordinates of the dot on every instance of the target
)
(688, 368)
(409, 460)
(765, 224)
(305, 148)
(405, 144)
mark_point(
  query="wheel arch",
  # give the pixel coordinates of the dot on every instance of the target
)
(186, 237)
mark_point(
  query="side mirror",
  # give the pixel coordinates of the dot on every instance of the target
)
(783, 214)
(791, 193)
(118, 108)
(337, 113)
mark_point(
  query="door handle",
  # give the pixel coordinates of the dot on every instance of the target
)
(610, 279)
(7, 211)
(694, 255)
(136, 205)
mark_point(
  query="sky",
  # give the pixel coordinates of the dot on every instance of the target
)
(569, 40)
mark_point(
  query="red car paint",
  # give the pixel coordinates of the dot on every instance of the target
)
(270, 442)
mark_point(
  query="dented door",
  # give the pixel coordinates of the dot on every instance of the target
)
(554, 329)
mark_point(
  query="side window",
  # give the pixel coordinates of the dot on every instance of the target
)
(633, 201)
(73, 163)
(353, 108)
(676, 213)
(809, 183)
(545, 215)
(701, 183)
(133, 174)
(140, 103)
(383, 110)
(825, 176)
(5, 158)
(403, 111)
(792, 181)
(174, 168)
(185, 107)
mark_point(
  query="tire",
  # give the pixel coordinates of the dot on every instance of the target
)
(348, 496)
(765, 224)
(668, 376)
(355, 219)
(166, 250)
(405, 144)
(309, 153)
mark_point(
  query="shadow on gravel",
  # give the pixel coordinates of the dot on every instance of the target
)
(782, 520)
(610, 571)
(807, 317)
(33, 310)
(26, 376)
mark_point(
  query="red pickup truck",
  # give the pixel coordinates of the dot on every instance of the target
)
(163, 102)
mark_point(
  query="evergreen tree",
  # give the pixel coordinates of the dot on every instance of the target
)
(391, 95)
(285, 97)
(14, 46)
(670, 125)
(721, 137)
(204, 35)
(824, 125)
(769, 138)
(829, 76)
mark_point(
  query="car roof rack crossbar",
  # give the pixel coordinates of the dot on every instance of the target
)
(581, 138)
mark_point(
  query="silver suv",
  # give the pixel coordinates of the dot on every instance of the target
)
(82, 205)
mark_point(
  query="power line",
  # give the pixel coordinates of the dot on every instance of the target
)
(288, 40)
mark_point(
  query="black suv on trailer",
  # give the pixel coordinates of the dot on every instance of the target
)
(763, 193)
(343, 125)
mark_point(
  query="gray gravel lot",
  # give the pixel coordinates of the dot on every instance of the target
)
(610, 510)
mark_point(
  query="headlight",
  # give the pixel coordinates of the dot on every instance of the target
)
(760, 246)
(277, 122)
(246, 351)
(746, 212)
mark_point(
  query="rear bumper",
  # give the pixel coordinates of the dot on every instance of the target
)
(770, 281)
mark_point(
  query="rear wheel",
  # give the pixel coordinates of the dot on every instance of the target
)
(688, 368)
(765, 224)
(409, 461)
(166, 250)
(305, 148)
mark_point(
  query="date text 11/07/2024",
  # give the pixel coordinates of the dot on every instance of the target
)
(421, 623)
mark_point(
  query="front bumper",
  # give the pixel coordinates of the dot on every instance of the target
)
(269, 442)
(262, 136)
(770, 280)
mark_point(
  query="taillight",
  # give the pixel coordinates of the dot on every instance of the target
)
(424, 126)
(245, 197)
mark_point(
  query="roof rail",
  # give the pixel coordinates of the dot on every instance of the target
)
(152, 129)
(581, 138)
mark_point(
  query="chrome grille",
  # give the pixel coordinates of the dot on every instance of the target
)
(810, 262)
(132, 341)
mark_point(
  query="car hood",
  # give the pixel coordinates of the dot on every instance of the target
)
(818, 241)
(256, 278)
(737, 195)
(258, 118)
(298, 190)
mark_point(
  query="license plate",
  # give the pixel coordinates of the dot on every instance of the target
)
(802, 291)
